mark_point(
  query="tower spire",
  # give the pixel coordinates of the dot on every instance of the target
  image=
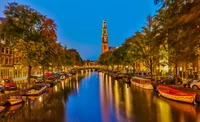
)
(104, 37)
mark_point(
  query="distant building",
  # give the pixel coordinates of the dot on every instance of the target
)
(89, 63)
(10, 64)
(105, 45)
(104, 38)
(112, 48)
(6, 60)
(1, 19)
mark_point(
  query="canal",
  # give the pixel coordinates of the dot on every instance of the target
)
(95, 97)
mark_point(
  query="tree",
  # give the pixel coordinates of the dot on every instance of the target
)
(76, 57)
(179, 32)
(106, 58)
(28, 31)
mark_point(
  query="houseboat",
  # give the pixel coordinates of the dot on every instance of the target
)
(142, 82)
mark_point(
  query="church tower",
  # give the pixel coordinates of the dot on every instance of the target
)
(104, 38)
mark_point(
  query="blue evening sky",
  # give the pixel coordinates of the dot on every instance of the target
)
(80, 21)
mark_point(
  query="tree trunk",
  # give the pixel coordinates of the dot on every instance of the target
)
(176, 73)
(134, 67)
(43, 73)
(29, 72)
(151, 69)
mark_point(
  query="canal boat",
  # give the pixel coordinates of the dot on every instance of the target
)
(142, 82)
(37, 89)
(35, 97)
(2, 108)
(176, 95)
(15, 100)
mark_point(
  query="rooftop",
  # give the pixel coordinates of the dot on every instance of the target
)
(2, 18)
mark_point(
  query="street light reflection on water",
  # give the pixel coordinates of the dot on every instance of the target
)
(97, 97)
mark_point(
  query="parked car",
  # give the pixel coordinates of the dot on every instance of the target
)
(57, 75)
(49, 75)
(1, 89)
(195, 84)
(171, 81)
(9, 84)
(159, 78)
(187, 84)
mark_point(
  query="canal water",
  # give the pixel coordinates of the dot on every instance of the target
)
(96, 97)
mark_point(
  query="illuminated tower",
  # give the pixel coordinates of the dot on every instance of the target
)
(104, 38)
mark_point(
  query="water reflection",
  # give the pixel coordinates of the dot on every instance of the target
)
(49, 106)
(129, 103)
(175, 111)
(96, 97)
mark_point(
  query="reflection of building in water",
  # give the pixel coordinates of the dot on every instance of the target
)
(110, 96)
(117, 99)
(62, 85)
(77, 86)
(56, 88)
(183, 110)
(103, 98)
(164, 111)
(87, 74)
(82, 72)
(127, 101)
(110, 91)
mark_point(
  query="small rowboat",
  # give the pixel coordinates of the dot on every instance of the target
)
(2, 108)
(175, 94)
(15, 100)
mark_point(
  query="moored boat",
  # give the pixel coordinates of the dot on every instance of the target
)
(175, 94)
(15, 100)
(142, 82)
(37, 89)
(14, 107)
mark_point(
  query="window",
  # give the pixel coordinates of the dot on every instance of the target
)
(7, 51)
(2, 50)
(10, 51)
(17, 60)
